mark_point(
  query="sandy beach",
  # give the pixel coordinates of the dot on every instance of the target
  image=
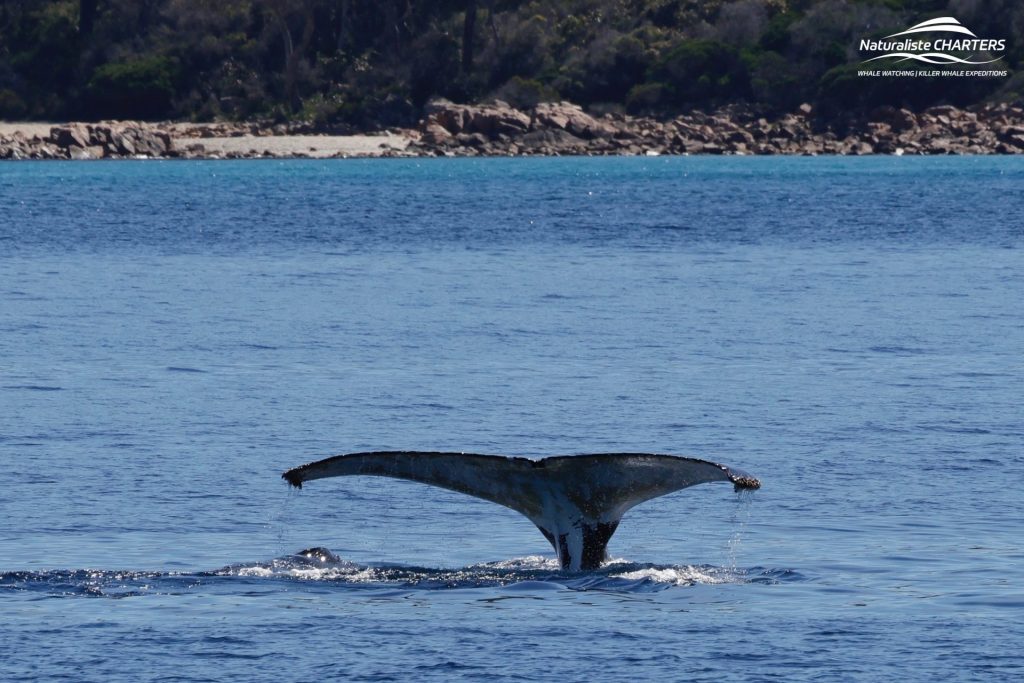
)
(227, 140)
(313, 146)
(26, 128)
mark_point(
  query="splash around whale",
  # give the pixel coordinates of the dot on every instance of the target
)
(576, 501)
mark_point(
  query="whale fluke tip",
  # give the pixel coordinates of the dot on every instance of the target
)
(746, 482)
(292, 477)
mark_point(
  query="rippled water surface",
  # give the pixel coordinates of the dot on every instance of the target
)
(175, 335)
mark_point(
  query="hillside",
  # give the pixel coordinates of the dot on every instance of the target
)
(365, 64)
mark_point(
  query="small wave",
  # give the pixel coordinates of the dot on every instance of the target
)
(324, 568)
(899, 350)
(680, 576)
(80, 582)
(954, 429)
(528, 571)
(33, 387)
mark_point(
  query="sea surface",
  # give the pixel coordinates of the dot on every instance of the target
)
(175, 335)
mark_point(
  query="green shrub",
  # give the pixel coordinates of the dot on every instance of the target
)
(776, 36)
(436, 69)
(12, 107)
(702, 72)
(774, 80)
(613, 66)
(138, 89)
(524, 93)
(647, 98)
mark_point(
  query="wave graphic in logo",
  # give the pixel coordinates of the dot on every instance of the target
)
(947, 24)
(929, 58)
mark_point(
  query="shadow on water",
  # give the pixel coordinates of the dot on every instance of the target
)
(322, 568)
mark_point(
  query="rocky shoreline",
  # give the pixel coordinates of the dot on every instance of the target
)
(549, 129)
(564, 128)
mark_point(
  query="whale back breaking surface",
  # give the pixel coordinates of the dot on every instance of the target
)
(576, 501)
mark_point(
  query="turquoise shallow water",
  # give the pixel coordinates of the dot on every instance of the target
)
(175, 335)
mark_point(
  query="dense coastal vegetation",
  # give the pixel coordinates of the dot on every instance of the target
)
(372, 63)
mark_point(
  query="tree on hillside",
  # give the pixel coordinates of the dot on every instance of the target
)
(468, 27)
(86, 16)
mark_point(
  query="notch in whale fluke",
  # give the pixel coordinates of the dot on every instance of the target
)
(576, 501)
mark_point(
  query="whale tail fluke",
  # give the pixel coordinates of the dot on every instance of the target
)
(576, 501)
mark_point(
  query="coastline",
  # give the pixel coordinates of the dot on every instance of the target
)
(549, 129)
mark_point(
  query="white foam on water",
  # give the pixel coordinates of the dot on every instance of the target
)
(612, 562)
(262, 572)
(511, 571)
(527, 563)
(347, 571)
(365, 575)
(680, 576)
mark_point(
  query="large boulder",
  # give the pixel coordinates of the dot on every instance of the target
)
(497, 118)
(550, 139)
(571, 117)
(435, 134)
(491, 120)
(14, 147)
(100, 134)
(70, 134)
(897, 119)
(121, 144)
(87, 152)
(145, 141)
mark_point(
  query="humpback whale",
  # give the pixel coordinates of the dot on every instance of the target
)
(576, 501)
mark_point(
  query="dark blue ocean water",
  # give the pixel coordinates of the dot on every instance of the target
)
(175, 335)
